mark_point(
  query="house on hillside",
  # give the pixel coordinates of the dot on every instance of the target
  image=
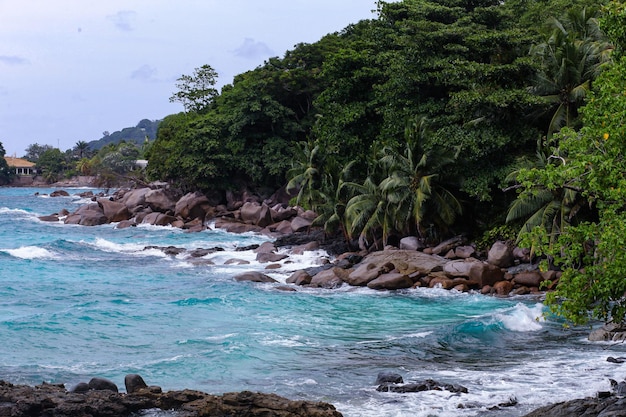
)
(24, 170)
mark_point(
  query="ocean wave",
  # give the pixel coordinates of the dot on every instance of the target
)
(522, 318)
(31, 252)
(127, 248)
(5, 210)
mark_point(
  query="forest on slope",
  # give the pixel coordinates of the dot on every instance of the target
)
(439, 117)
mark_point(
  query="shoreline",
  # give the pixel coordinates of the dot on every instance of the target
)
(357, 414)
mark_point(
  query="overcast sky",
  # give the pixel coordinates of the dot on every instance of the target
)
(71, 69)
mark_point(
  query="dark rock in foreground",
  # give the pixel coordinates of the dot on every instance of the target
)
(586, 407)
(54, 400)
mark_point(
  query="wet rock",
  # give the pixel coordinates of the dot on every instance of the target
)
(299, 278)
(388, 377)
(270, 257)
(611, 406)
(391, 281)
(81, 387)
(134, 383)
(608, 332)
(55, 400)
(503, 287)
(50, 218)
(102, 384)
(329, 278)
(113, 210)
(59, 193)
(254, 276)
(427, 385)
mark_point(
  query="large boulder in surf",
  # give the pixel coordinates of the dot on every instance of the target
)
(193, 206)
(503, 288)
(257, 214)
(366, 272)
(391, 281)
(264, 257)
(459, 268)
(59, 193)
(102, 384)
(254, 276)
(329, 278)
(134, 383)
(160, 200)
(158, 219)
(87, 215)
(113, 210)
(485, 273)
(407, 262)
(135, 200)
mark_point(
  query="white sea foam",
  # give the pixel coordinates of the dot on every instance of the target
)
(31, 252)
(293, 341)
(6, 210)
(128, 248)
(523, 318)
(221, 337)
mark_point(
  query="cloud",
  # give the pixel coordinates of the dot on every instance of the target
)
(13, 60)
(123, 20)
(252, 49)
(144, 73)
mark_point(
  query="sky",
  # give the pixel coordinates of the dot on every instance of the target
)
(72, 69)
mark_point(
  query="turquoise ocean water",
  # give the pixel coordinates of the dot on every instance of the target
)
(78, 302)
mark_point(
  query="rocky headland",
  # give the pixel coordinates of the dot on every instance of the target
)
(456, 264)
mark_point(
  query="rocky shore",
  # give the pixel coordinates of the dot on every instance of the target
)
(503, 270)
(100, 398)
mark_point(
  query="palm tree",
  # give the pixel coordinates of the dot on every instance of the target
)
(84, 166)
(334, 196)
(369, 213)
(571, 57)
(305, 174)
(408, 194)
(81, 147)
(414, 184)
(551, 209)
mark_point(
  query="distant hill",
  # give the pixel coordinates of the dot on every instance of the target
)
(138, 134)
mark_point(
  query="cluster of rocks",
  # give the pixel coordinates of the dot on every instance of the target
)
(192, 211)
(391, 382)
(453, 264)
(604, 404)
(101, 398)
(507, 270)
